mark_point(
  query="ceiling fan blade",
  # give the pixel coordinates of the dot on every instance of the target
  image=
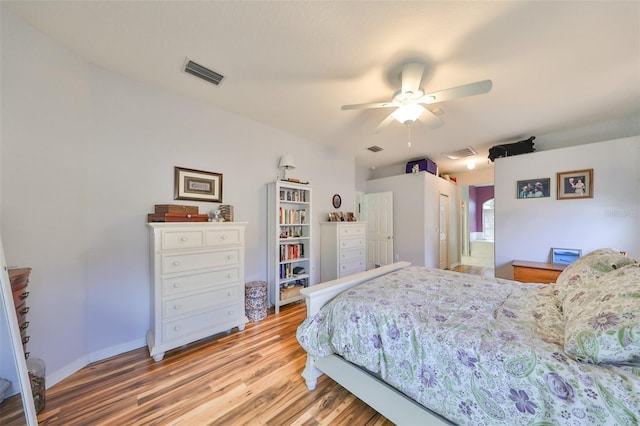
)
(470, 89)
(431, 119)
(411, 77)
(371, 105)
(384, 123)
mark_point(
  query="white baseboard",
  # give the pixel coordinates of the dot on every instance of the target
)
(66, 371)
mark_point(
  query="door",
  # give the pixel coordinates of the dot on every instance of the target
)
(443, 229)
(377, 211)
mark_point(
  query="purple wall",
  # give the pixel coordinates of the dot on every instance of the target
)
(477, 196)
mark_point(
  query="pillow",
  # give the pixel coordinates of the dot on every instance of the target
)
(589, 268)
(602, 319)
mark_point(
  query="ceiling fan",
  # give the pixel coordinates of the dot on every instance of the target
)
(409, 100)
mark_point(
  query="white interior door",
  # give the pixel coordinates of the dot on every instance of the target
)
(377, 211)
(443, 262)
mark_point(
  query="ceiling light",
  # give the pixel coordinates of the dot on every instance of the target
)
(407, 114)
(471, 165)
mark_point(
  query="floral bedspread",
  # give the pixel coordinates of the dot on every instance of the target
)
(478, 351)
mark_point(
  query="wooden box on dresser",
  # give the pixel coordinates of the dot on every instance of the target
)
(289, 239)
(343, 249)
(197, 282)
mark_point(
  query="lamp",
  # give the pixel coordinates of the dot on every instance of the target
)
(286, 162)
(407, 114)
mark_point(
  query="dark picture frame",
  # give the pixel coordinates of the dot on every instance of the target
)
(575, 184)
(533, 188)
(337, 201)
(197, 185)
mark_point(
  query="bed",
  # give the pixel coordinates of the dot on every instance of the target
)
(429, 347)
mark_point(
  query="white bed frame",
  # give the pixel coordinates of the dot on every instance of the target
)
(389, 402)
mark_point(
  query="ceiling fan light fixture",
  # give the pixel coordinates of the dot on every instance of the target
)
(408, 113)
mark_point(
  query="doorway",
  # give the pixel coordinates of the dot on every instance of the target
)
(377, 211)
(478, 225)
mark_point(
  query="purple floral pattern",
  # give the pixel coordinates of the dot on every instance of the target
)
(602, 325)
(476, 350)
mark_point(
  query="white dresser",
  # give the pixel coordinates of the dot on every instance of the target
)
(343, 249)
(197, 282)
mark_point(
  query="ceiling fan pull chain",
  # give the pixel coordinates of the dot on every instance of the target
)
(409, 142)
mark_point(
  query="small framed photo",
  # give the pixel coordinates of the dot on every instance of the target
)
(533, 188)
(565, 256)
(575, 184)
(197, 185)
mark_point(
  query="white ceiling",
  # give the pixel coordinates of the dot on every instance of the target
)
(567, 72)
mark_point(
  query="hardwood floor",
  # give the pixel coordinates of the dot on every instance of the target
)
(249, 377)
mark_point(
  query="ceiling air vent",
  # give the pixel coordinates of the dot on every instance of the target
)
(374, 148)
(203, 72)
(465, 152)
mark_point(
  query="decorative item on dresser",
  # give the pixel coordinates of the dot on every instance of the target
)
(197, 282)
(343, 249)
(536, 272)
(289, 239)
(176, 213)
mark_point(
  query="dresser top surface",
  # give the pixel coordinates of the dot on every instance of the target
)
(193, 224)
(540, 265)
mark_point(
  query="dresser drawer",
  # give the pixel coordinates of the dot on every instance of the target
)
(173, 308)
(346, 255)
(205, 321)
(348, 231)
(225, 237)
(352, 266)
(19, 297)
(172, 263)
(182, 238)
(351, 243)
(181, 284)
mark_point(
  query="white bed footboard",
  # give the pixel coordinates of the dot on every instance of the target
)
(387, 401)
(318, 295)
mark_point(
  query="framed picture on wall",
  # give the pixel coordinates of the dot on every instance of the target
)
(197, 185)
(575, 184)
(533, 188)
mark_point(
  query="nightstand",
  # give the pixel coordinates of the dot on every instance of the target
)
(536, 272)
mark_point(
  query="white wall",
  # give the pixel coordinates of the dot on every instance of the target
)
(86, 153)
(526, 229)
(416, 199)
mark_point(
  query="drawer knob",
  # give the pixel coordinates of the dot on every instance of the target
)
(25, 310)
(177, 328)
(176, 285)
(176, 263)
(24, 295)
(177, 307)
(229, 275)
(229, 293)
(229, 256)
(223, 236)
(184, 239)
(24, 326)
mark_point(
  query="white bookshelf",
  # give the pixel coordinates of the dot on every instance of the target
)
(289, 239)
